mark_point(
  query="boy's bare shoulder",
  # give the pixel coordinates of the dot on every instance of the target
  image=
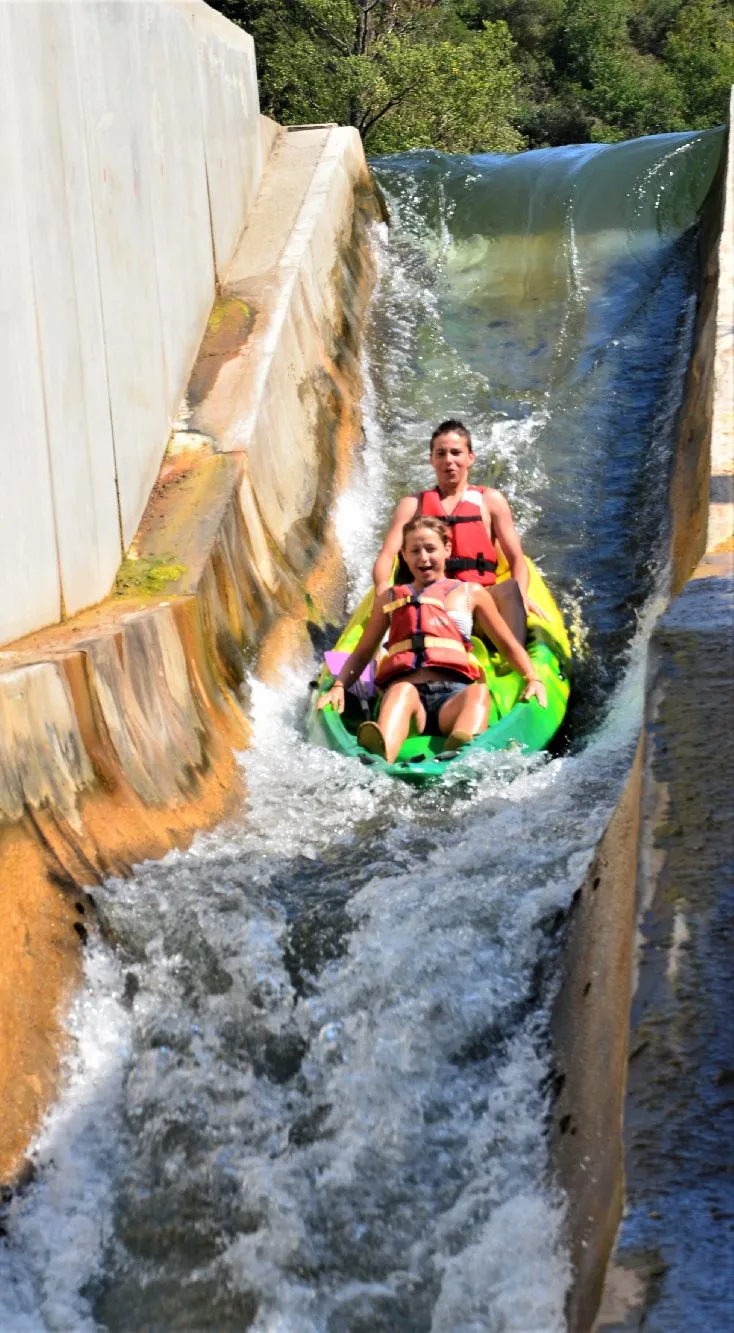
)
(494, 499)
(407, 502)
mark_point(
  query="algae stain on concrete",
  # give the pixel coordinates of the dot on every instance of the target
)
(230, 325)
(148, 576)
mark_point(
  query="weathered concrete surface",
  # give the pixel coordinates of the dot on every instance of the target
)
(277, 382)
(701, 450)
(114, 746)
(720, 532)
(675, 1247)
(41, 954)
(673, 1268)
(118, 727)
(74, 769)
(692, 676)
(271, 399)
(590, 1023)
(130, 152)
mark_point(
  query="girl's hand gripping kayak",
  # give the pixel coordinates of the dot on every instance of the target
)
(334, 696)
(535, 689)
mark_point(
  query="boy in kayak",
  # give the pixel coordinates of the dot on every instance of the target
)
(478, 516)
(428, 673)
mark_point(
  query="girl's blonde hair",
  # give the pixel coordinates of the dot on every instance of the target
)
(429, 521)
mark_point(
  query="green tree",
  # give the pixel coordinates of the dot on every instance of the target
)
(534, 24)
(405, 73)
(466, 75)
(699, 52)
(620, 90)
(650, 22)
(593, 70)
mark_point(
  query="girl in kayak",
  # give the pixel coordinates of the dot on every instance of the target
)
(428, 673)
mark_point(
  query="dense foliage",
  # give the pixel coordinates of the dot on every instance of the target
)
(467, 75)
(612, 69)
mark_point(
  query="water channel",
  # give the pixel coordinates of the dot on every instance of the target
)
(308, 1086)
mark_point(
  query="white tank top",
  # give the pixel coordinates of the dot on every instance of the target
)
(463, 620)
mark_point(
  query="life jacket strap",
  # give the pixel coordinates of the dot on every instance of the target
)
(458, 564)
(411, 601)
(420, 642)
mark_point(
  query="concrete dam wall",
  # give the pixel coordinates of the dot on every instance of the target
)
(640, 930)
(131, 151)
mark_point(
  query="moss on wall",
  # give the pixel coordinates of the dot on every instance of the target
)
(147, 576)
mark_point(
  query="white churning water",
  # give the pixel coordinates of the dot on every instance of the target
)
(307, 1091)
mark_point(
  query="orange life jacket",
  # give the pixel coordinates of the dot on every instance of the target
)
(473, 556)
(422, 634)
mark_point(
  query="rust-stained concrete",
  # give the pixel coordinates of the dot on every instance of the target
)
(118, 728)
(40, 969)
(691, 479)
(671, 832)
(113, 749)
(679, 1114)
(590, 1023)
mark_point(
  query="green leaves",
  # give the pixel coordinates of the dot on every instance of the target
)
(632, 67)
(699, 51)
(406, 73)
(457, 97)
(492, 75)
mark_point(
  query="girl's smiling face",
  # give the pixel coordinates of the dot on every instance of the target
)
(425, 554)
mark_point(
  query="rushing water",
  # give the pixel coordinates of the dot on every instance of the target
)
(307, 1093)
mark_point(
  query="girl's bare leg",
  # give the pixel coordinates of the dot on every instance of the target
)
(467, 712)
(400, 703)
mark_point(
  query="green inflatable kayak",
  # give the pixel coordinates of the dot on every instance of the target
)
(512, 723)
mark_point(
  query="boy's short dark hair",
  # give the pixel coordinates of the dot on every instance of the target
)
(451, 427)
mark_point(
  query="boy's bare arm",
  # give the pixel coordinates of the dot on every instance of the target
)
(503, 526)
(498, 517)
(382, 571)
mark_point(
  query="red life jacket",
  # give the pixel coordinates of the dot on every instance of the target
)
(422, 634)
(473, 556)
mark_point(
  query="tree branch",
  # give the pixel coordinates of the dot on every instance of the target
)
(361, 33)
(367, 122)
(310, 19)
(397, 22)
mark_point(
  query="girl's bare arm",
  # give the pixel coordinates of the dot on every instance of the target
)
(357, 661)
(500, 633)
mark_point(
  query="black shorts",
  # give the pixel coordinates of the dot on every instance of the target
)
(433, 695)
